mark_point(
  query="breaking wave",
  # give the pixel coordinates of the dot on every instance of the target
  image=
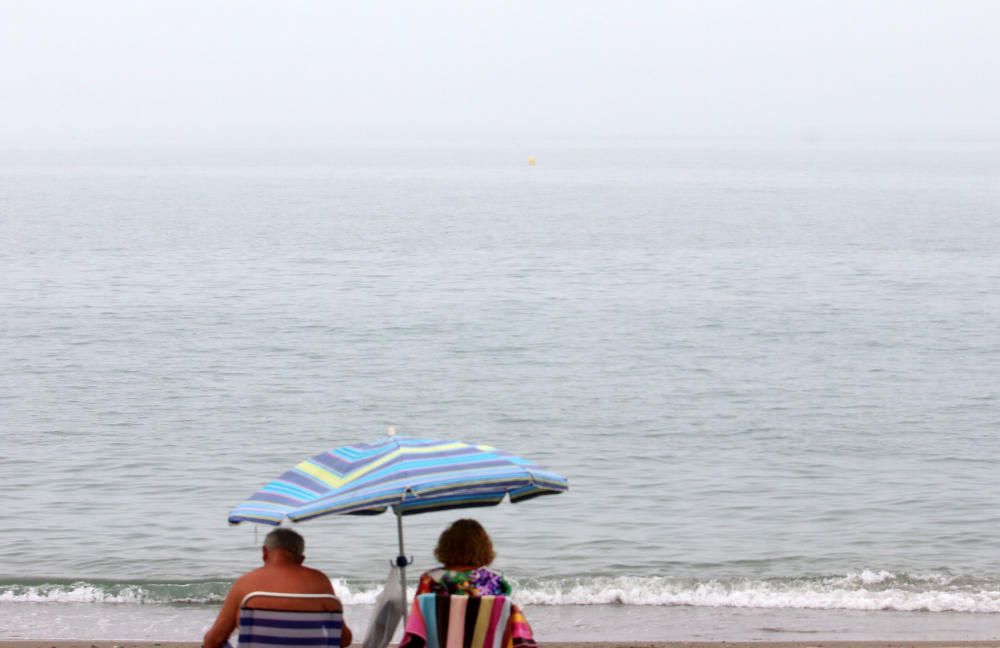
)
(112, 592)
(861, 590)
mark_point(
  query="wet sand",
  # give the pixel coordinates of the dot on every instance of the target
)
(567, 626)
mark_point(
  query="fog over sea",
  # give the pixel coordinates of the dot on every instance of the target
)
(771, 374)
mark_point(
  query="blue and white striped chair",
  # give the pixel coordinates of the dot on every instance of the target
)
(263, 627)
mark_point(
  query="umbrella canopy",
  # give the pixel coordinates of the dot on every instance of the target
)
(410, 475)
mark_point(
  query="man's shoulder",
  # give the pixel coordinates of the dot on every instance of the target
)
(317, 576)
(247, 577)
(314, 571)
(250, 575)
(300, 578)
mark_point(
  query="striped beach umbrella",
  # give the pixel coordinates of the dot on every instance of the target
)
(408, 475)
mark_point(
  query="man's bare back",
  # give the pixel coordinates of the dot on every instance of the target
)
(283, 572)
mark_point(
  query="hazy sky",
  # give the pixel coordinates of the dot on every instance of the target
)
(263, 73)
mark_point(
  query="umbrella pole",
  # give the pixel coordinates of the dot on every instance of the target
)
(401, 562)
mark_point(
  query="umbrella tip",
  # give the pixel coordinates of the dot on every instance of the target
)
(391, 430)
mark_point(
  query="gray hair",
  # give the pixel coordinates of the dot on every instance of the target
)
(286, 539)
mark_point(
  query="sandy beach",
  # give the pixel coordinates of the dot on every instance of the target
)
(603, 644)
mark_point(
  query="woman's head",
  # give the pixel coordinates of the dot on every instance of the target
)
(464, 544)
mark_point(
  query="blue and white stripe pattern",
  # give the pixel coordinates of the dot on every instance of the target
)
(415, 475)
(289, 629)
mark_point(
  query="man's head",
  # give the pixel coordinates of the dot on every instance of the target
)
(284, 544)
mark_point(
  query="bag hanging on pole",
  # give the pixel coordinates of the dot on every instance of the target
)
(388, 612)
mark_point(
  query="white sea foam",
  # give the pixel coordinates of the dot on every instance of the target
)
(865, 590)
(869, 577)
(861, 590)
(75, 593)
(357, 595)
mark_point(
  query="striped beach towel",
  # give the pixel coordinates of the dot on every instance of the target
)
(443, 621)
(262, 628)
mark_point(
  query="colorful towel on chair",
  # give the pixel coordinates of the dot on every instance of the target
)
(464, 582)
(443, 621)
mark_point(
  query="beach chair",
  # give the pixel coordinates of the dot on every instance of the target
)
(266, 627)
(443, 621)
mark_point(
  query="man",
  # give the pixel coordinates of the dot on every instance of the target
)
(283, 572)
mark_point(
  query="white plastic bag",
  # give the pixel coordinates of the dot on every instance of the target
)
(388, 612)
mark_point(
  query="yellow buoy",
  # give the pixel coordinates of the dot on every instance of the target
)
(532, 160)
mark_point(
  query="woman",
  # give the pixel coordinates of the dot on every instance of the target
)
(465, 550)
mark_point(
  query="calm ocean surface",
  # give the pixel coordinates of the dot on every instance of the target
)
(771, 374)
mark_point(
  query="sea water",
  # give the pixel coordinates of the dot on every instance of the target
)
(770, 373)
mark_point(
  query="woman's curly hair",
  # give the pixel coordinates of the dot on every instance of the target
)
(465, 543)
